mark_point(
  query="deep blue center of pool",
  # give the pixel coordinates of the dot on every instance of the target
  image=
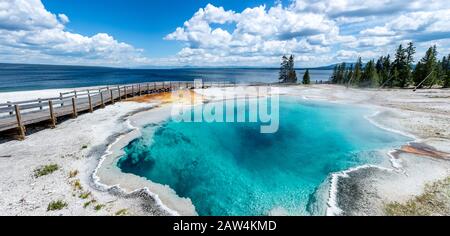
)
(233, 169)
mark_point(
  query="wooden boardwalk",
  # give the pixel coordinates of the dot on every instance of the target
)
(17, 115)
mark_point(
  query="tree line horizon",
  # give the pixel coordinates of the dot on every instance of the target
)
(401, 72)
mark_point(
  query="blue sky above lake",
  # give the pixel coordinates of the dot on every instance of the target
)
(139, 33)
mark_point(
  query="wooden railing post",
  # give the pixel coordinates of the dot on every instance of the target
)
(140, 91)
(20, 126)
(112, 96)
(75, 93)
(52, 114)
(74, 108)
(61, 98)
(148, 88)
(10, 107)
(118, 90)
(91, 109)
(101, 99)
(132, 90)
(40, 103)
(125, 89)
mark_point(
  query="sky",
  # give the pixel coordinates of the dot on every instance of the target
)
(160, 33)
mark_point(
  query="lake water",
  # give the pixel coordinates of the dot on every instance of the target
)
(231, 169)
(19, 77)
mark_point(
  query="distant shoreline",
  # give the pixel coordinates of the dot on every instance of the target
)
(326, 67)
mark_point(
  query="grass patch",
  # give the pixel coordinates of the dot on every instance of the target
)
(98, 207)
(122, 212)
(73, 174)
(434, 201)
(45, 170)
(77, 185)
(56, 205)
(86, 204)
(85, 195)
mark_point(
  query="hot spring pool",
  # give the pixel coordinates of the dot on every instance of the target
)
(233, 169)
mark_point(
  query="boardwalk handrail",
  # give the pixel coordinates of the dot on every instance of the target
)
(70, 94)
(18, 114)
(67, 96)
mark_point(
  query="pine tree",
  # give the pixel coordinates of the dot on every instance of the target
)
(374, 78)
(435, 65)
(349, 74)
(401, 65)
(383, 69)
(358, 72)
(292, 75)
(386, 73)
(346, 73)
(394, 76)
(306, 78)
(341, 73)
(369, 77)
(426, 71)
(440, 73)
(334, 75)
(283, 75)
(410, 51)
(446, 71)
(399, 73)
(379, 68)
(379, 65)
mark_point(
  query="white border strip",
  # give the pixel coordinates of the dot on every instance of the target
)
(104, 187)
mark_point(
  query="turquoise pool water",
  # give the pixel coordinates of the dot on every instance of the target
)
(233, 169)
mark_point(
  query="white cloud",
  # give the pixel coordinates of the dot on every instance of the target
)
(255, 32)
(346, 54)
(317, 32)
(378, 31)
(360, 8)
(63, 18)
(26, 15)
(197, 30)
(422, 20)
(29, 33)
(349, 55)
(413, 26)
